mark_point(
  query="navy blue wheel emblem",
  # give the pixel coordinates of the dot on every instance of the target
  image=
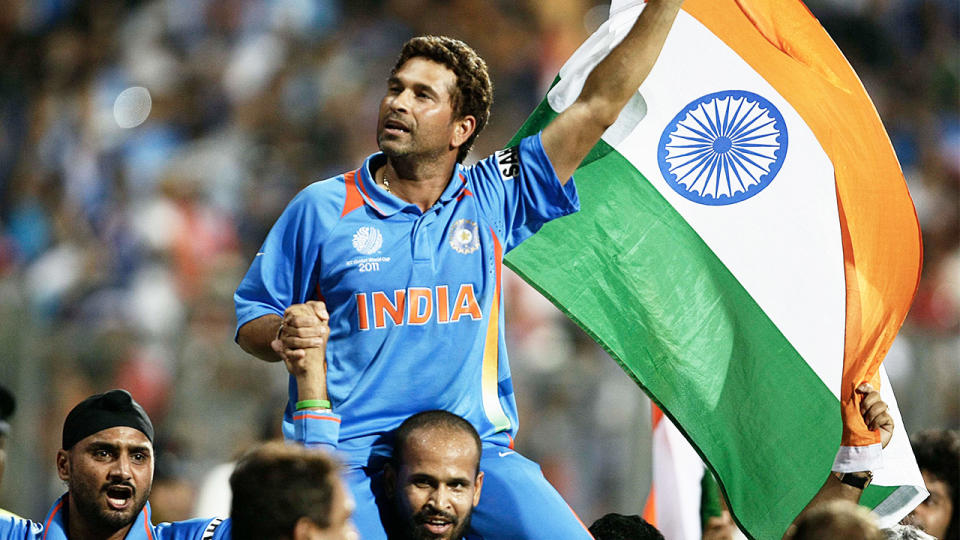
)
(723, 148)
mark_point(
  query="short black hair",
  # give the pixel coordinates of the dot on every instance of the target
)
(938, 453)
(276, 484)
(621, 527)
(435, 419)
(473, 95)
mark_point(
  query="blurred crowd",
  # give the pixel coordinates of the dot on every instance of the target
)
(127, 217)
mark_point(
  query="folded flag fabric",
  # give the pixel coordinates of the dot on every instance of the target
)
(746, 250)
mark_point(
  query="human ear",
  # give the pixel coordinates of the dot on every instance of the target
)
(306, 529)
(389, 480)
(463, 129)
(63, 465)
(479, 486)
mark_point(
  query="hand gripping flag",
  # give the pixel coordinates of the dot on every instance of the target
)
(746, 251)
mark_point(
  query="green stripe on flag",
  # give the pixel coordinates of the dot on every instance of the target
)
(641, 282)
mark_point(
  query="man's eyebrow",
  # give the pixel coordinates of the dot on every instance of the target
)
(102, 445)
(416, 86)
(460, 480)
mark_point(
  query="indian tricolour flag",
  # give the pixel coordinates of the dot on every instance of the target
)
(746, 250)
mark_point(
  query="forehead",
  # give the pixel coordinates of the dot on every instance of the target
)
(441, 450)
(422, 70)
(116, 436)
(935, 485)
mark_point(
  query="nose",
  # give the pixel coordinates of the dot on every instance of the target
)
(400, 102)
(121, 468)
(440, 499)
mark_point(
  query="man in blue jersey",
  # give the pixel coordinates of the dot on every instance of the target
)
(433, 479)
(106, 460)
(406, 253)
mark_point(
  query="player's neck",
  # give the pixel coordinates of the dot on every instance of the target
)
(419, 182)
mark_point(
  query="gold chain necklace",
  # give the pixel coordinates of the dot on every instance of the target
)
(386, 183)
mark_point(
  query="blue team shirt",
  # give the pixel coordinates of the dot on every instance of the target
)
(54, 527)
(414, 297)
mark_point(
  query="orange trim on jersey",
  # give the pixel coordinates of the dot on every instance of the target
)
(46, 526)
(466, 192)
(146, 523)
(509, 438)
(490, 370)
(353, 199)
(316, 416)
(358, 183)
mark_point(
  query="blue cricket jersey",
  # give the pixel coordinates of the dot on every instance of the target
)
(416, 318)
(55, 528)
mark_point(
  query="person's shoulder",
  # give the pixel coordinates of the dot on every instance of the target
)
(194, 529)
(13, 527)
(507, 163)
(326, 187)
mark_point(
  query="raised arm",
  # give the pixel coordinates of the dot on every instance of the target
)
(608, 88)
(875, 414)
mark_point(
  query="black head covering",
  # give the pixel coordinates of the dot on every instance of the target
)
(7, 406)
(104, 411)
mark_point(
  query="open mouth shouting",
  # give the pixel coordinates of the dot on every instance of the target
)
(119, 497)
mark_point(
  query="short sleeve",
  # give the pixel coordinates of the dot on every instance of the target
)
(518, 187)
(284, 269)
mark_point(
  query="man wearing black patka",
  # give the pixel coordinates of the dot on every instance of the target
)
(106, 461)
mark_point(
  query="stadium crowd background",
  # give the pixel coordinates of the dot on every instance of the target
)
(121, 242)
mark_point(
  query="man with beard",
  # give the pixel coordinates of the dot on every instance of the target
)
(433, 478)
(106, 460)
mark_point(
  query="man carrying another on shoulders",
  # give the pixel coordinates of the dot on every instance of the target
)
(406, 253)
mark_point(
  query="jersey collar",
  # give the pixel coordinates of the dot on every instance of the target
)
(387, 204)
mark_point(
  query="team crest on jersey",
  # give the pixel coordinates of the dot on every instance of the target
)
(464, 236)
(367, 240)
(508, 161)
